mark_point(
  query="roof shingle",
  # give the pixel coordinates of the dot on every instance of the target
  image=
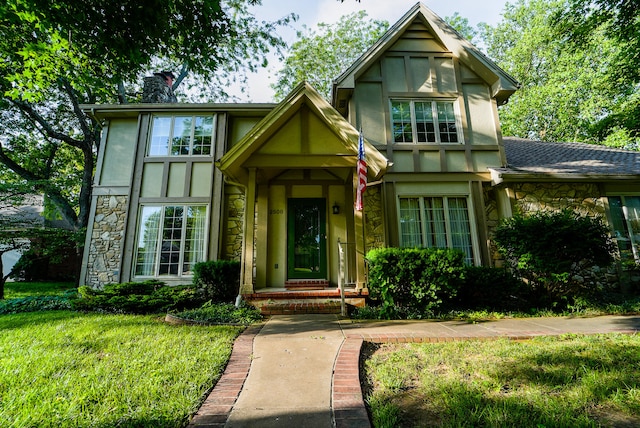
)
(539, 157)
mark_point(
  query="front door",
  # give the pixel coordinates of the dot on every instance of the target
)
(307, 240)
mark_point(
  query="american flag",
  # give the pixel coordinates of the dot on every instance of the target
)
(362, 173)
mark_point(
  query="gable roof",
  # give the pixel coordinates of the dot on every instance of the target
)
(502, 84)
(546, 161)
(232, 164)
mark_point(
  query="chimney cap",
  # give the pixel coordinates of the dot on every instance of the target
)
(165, 74)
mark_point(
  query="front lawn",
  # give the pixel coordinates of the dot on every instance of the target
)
(567, 381)
(18, 290)
(67, 369)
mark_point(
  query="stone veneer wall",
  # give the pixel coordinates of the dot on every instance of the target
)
(373, 218)
(583, 198)
(234, 209)
(107, 239)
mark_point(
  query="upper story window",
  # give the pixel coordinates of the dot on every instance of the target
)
(425, 122)
(181, 136)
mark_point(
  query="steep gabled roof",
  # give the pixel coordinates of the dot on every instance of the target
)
(233, 163)
(529, 160)
(502, 84)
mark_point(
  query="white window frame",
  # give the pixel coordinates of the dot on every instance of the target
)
(434, 114)
(158, 253)
(475, 256)
(150, 148)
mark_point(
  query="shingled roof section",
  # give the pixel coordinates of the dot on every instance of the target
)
(567, 161)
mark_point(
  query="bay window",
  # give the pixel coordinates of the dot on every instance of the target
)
(436, 222)
(181, 136)
(425, 122)
(171, 239)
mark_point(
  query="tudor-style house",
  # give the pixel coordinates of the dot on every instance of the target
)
(273, 185)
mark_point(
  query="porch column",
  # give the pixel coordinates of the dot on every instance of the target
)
(246, 279)
(358, 223)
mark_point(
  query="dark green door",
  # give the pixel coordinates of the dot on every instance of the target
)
(307, 240)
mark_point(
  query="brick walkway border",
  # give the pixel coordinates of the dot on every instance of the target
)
(347, 402)
(216, 408)
(348, 405)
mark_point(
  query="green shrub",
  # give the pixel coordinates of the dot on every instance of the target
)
(493, 289)
(34, 304)
(220, 279)
(550, 250)
(222, 313)
(413, 282)
(138, 298)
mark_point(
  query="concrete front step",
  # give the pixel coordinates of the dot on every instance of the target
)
(287, 302)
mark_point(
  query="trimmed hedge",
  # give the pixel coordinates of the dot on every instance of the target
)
(138, 298)
(413, 282)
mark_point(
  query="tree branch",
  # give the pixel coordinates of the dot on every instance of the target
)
(66, 86)
(42, 185)
(29, 111)
(183, 73)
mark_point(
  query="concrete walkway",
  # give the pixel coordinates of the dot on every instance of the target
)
(302, 370)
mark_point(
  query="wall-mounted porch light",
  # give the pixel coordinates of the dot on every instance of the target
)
(336, 208)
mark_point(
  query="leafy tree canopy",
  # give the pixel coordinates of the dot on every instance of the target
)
(58, 55)
(319, 56)
(116, 40)
(568, 91)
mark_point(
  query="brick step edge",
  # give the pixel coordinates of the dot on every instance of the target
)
(300, 308)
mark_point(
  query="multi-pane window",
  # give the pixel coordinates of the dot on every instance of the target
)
(171, 239)
(436, 222)
(625, 216)
(425, 122)
(181, 136)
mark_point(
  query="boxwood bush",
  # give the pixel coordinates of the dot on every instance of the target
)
(413, 282)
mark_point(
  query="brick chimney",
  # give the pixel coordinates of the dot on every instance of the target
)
(157, 88)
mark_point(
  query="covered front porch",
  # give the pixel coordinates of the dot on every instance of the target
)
(302, 238)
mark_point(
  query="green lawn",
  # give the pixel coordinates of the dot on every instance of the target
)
(15, 290)
(67, 369)
(569, 381)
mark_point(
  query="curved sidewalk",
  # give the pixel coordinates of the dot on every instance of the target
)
(302, 370)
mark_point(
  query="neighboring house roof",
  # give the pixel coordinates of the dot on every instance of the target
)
(550, 161)
(342, 153)
(26, 213)
(502, 84)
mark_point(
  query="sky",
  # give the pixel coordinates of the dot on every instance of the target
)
(311, 12)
